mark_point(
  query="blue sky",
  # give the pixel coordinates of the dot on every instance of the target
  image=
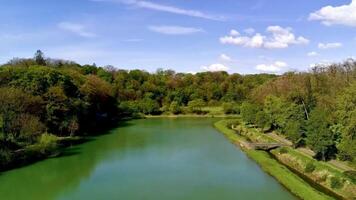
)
(244, 36)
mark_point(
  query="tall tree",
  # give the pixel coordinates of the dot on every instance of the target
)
(39, 58)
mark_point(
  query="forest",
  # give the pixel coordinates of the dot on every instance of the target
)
(44, 100)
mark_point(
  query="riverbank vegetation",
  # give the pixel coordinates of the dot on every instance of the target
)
(287, 178)
(331, 179)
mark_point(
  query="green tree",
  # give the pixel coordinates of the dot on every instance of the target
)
(319, 136)
(248, 112)
(175, 108)
(39, 58)
(196, 106)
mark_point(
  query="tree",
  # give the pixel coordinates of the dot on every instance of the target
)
(39, 58)
(262, 120)
(294, 132)
(195, 106)
(346, 115)
(149, 107)
(319, 136)
(248, 112)
(175, 108)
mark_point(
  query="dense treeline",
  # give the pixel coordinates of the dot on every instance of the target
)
(43, 99)
(315, 109)
(39, 101)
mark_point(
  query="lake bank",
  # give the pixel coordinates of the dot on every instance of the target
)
(318, 174)
(292, 182)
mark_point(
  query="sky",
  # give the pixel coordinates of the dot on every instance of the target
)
(238, 36)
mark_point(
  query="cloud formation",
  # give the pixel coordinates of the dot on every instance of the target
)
(165, 8)
(274, 67)
(215, 67)
(278, 38)
(312, 54)
(329, 45)
(225, 58)
(343, 15)
(75, 28)
(175, 30)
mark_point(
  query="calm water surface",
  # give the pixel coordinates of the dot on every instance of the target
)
(149, 159)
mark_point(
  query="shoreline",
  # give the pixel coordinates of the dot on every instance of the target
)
(291, 181)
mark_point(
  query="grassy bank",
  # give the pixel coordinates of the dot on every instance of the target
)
(291, 181)
(327, 177)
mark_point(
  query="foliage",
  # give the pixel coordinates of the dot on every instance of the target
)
(47, 143)
(283, 150)
(230, 108)
(351, 175)
(248, 112)
(336, 183)
(319, 135)
(175, 108)
(195, 106)
(309, 168)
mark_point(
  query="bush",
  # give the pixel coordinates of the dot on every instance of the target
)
(195, 106)
(283, 150)
(309, 168)
(230, 108)
(336, 183)
(47, 143)
(351, 175)
(5, 157)
(175, 108)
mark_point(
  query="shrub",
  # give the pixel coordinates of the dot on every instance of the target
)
(175, 108)
(5, 157)
(309, 168)
(283, 150)
(47, 143)
(351, 175)
(230, 108)
(336, 183)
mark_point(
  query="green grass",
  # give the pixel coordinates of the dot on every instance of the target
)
(214, 110)
(287, 178)
(291, 181)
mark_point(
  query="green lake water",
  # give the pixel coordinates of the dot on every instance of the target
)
(150, 159)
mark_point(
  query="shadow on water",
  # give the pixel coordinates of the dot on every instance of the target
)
(65, 148)
(63, 172)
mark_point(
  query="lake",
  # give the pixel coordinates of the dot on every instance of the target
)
(149, 159)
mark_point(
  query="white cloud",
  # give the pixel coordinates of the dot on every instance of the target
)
(234, 32)
(225, 58)
(249, 31)
(165, 8)
(312, 54)
(329, 15)
(329, 45)
(278, 38)
(175, 30)
(274, 67)
(77, 29)
(215, 67)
